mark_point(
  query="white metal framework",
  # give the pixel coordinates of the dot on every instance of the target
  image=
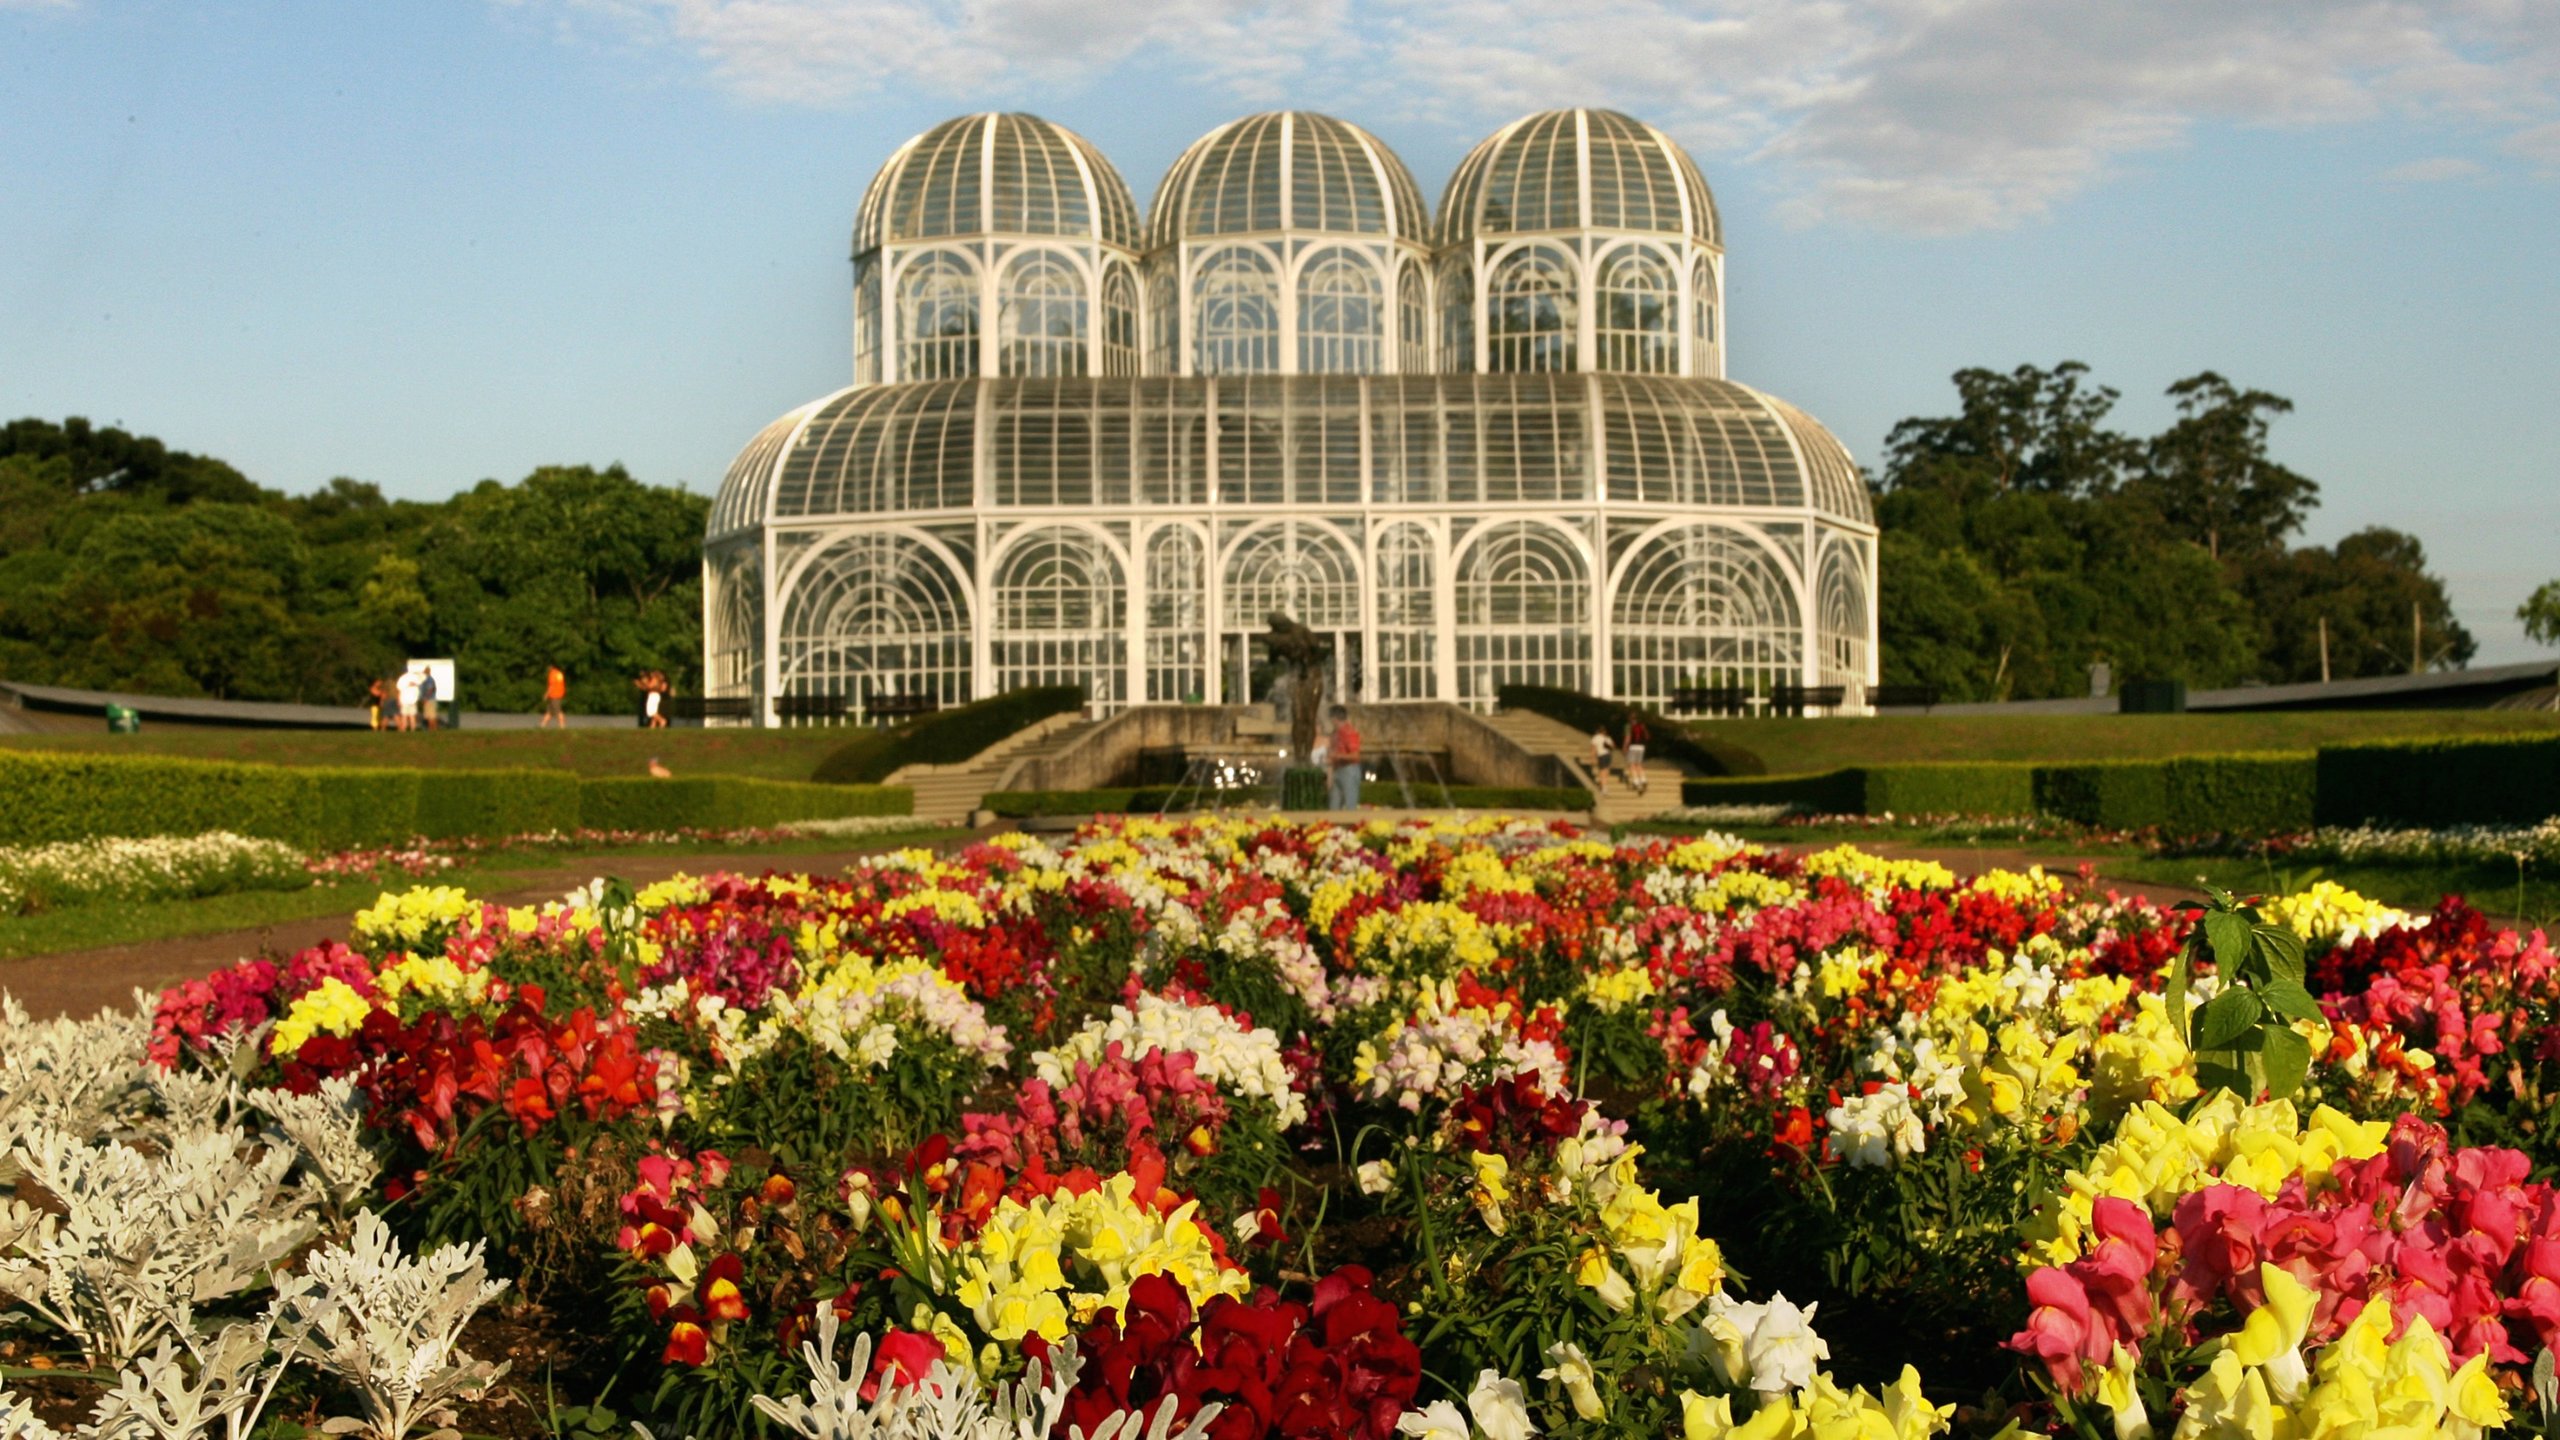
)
(1495, 449)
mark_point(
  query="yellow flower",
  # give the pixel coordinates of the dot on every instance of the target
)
(330, 1008)
(413, 916)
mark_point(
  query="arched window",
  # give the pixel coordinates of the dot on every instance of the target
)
(1413, 321)
(1342, 319)
(876, 614)
(1059, 615)
(1043, 307)
(1457, 316)
(1119, 321)
(1702, 307)
(1403, 668)
(937, 317)
(1177, 617)
(1237, 297)
(1703, 605)
(1523, 596)
(1529, 311)
(1639, 315)
(866, 323)
(1840, 617)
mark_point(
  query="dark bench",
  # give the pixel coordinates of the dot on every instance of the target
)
(1710, 700)
(1903, 697)
(1797, 699)
(899, 707)
(705, 707)
(809, 707)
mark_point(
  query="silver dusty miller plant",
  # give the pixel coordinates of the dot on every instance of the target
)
(948, 1403)
(199, 1387)
(142, 1237)
(325, 1129)
(388, 1327)
(84, 1077)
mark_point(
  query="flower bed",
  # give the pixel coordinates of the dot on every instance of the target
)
(1243, 1128)
(165, 867)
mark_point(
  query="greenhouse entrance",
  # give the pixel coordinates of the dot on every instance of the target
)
(1250, 676)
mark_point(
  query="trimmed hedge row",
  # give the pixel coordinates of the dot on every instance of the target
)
(1671, 740)
(1147, 799)
(49, 796)
(945, 737)
(2499, 781)
(2190, 795)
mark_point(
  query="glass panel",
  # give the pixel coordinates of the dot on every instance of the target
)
(1341, 320)
(1639, 313)
(938, 317)
(1043, 312)
(1703, 605)
(1237, 294)
(1529, 311)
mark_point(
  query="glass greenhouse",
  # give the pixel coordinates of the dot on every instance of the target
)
(1493, 446)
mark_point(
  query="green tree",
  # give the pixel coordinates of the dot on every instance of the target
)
(2031, 429)
(2365, 590)
(2541, 613)
(2209, 475)
(95, 461)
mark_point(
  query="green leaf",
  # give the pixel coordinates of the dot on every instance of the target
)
(2174, 996)
(2288, 999)
(2287, 1058)
(2226, 1018)
(2228, 933)
(2215, 1075)
(2281, 949)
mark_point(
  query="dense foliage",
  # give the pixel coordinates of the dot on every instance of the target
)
(2024, 541)
(126, 565)
(1461, 1130)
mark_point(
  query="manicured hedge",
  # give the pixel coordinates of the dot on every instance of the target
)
(1147, 799)
(1672, 740)
(1986, 788)
(2268, 793)
(945, 737)
(2497, 781)
(728, 802)
(2116, 794)
(47, 796)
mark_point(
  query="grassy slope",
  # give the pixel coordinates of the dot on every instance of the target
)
(1793, 746)
(766, 754)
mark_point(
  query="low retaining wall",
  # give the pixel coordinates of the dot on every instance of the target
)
(1107, 755)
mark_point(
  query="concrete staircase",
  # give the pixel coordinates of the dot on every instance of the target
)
(1617, 804)
(950, 794)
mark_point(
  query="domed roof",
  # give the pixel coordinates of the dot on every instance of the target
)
(1287, 170)
(1001, 175)
(1578, 169)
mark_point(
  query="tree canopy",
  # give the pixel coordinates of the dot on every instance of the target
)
(2025, 539)
(126, 565)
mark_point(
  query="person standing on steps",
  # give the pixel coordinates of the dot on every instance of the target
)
(555, 688)
(1343, 751)
(1637, 735)
(1600, 745)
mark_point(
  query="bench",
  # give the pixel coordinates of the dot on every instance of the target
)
(705, 707)
(1710, 700)
(898, 707)
(1796, 699)
(1903, 697)
(808, 707)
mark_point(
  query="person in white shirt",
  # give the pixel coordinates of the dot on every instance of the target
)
(1600, 747)
(408, 689)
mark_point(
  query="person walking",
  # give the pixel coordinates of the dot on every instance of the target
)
(427, 697)
(1342, 751)
(406, 688)
(656, 703)
(1600, 747)
(555, 688)
(373, 703)
(1637, 735)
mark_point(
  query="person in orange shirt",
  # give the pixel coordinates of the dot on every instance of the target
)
(555, 688)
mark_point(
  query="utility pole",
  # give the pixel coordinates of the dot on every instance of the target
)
(2417, 656)
(2324, 649)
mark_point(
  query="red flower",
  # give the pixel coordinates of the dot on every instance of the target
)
(687, 1344)
(719, 1293)
(529, 1103)
(1266, 1219)
(903, 1358)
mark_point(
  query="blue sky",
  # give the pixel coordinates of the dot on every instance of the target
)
(425, 243)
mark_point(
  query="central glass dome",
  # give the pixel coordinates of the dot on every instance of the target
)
(1492, 445)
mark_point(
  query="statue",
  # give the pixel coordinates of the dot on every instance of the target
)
(1304, 658)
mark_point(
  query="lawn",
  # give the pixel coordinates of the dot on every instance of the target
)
(782, 754)
(488, 873)
(1795, 746)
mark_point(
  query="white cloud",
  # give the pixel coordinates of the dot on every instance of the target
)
(1939, 115)
(2432, 169)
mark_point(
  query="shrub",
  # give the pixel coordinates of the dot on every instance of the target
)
(2440, 782)
(496, 802)
(727, 802)
(355, 807)
(2116, 794)
(945, 737)
(2268, 793)
(1671, 741)
(1984, 788)
(47, 796)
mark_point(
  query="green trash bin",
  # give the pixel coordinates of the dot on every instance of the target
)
(1302, 787)
(123, 720)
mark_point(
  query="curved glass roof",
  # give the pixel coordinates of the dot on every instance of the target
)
(1287, 170)
(1285, 441)
(1531, 175)
(996, 174)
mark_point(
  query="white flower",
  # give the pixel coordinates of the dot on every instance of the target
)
(1501, 1408)
(1440, 1422)
(1879, 1130)
(1569, 1367)
(1773, 1343)
(1377, 1177)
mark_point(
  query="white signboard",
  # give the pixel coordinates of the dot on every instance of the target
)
(443, 671)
